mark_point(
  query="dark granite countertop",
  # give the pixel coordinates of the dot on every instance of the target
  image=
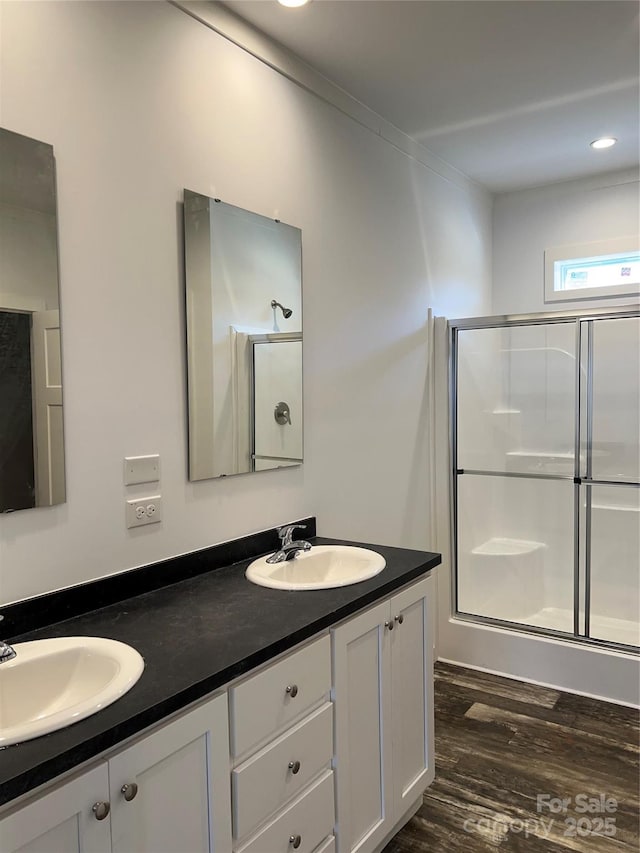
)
(195, 636)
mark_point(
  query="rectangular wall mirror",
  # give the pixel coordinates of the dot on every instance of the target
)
(31, 423)
(244, 339)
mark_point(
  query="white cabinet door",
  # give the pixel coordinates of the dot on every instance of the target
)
(383, 695)
(412, 694)
(364, 793)
(62, 821)
(182, 801)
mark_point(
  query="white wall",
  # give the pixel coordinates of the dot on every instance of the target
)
(526, 223)
(139, 101)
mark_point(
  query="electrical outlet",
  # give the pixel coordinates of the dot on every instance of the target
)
(141, 511)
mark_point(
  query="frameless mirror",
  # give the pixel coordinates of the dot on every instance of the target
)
(31, 424)
(244, 339)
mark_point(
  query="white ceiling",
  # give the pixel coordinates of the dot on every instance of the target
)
(510, 92)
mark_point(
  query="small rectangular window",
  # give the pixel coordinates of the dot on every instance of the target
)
(592, 270)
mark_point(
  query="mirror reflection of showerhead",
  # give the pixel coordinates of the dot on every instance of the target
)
(286, 312)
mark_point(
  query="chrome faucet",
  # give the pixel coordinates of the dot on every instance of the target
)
(289, 547)
(7, 652)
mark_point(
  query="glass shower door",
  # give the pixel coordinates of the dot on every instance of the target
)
(611, 480)
(515, 437)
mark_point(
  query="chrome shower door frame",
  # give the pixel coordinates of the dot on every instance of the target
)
(583, 321)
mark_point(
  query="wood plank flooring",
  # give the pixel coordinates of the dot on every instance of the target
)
(507, 753)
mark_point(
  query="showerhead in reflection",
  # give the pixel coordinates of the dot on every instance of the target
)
(286, 312)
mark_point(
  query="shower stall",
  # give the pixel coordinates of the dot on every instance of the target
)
(545, 415)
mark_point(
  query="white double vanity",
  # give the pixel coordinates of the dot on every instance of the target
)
(326, 748)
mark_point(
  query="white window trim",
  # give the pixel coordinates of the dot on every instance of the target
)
(614, 246)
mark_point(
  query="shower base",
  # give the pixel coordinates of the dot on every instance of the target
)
(622, 631)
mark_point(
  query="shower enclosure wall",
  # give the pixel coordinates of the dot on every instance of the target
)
(546, 475)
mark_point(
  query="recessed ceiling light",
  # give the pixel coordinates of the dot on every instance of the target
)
(604, 142)
(292, 4)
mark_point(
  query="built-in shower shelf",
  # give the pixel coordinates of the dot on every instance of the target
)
(615, 508)
(542, 454)
(500, 547)
(565, 455)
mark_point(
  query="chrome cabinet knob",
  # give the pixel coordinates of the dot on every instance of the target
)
(399, 619)
(129, 791)
(389, 625)
(295, 841)
(101, 810)
(294, 766)
(292, 690)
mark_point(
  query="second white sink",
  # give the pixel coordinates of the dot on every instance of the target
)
(323, 567)
(53, 683)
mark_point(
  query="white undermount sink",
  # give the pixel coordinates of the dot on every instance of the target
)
(52, 683)
(323, 567)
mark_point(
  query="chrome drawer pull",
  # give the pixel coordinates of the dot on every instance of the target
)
(389, 625)
(295, 841)
(294, 766)
(129, 791)
(399, 619)
(101, 810)
(292, 690)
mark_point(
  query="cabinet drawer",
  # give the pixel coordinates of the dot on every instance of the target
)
(262, 705)
(311, 816)
(265, 782)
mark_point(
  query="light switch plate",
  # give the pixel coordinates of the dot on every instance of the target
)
(141, 469)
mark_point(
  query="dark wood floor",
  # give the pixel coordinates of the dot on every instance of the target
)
(505, 750)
